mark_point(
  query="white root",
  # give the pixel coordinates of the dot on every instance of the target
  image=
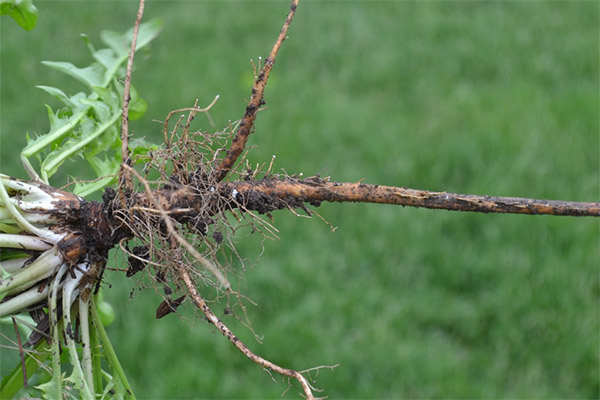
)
(4, 214)
(53, 315)
(25, 242)
(84, 322)
(23, 300)
(15, 213)
(12, 266)
(43, 267)
(70, 293)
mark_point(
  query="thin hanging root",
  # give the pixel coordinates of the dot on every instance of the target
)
(169, 223)
(20, 352)
(192, 110)
(213, 319)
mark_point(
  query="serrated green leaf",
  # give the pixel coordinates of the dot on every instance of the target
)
(55, 122)
(59, 128)
(90, 76)
(104, 167)
(96, 128)
(73, 146)
(77, 380)
(108, 96)
(102, 111)
(13, 382)
(110, 138)
(51, 389)
(22, 11)
(59, 94)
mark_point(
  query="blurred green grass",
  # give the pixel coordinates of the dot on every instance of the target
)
(474, 97)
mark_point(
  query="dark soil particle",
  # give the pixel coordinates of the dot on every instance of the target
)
(218, 236)
(135, 264)
(264, 203)
(168, 306)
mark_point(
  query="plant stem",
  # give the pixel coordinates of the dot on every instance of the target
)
(111, 356)
(13, 382)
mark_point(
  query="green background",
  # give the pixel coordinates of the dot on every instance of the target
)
(496, 98)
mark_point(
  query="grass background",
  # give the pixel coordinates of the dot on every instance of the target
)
(494, 98)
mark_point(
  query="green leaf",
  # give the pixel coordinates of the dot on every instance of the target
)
(101, 110)
(102, 168)
(120, 43)
(89, 124)
(22, 11)
(115, 41)
(106, 57)
(59, 127)
(109, 97)
(88, 43)
(13, 382)
(59, 94)
(104, 142)
(90, 76)
(137, 105)
(86, 188)
(148, 31)
(141, 146)
(9, 254)
(10, 228)
(74, 145)
(51, 389)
